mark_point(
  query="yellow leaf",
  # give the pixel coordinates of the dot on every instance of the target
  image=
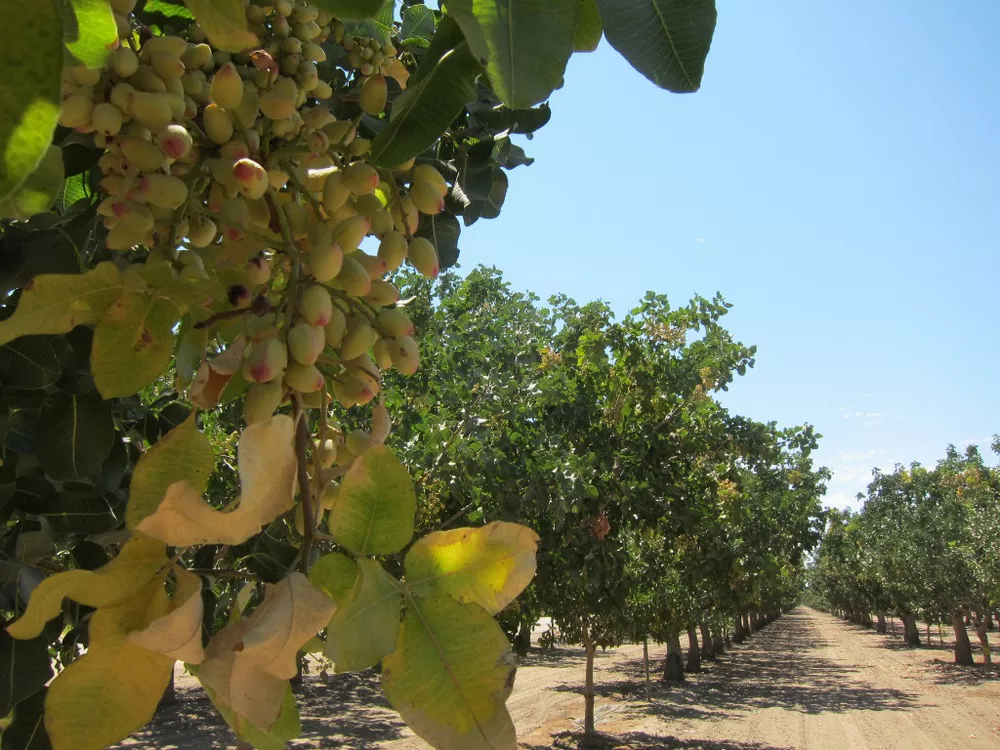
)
(133, 343)
(451, 674)
(292, 612)
(267, 467)
(366, 624)
(334, 574)
(183, 454)
(489, 566)
(116, 582)
(248, 662)
(57, 303)
(177, 633)
(114, 688)
(224, 22)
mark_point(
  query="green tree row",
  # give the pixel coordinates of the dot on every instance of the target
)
(926, 544)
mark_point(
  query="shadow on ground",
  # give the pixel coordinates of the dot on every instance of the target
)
(778, 668)
(643, 741)
(346, 708)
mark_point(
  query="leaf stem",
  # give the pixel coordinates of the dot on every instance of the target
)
(305, 491)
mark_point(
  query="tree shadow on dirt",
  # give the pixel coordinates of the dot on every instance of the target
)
(346, 709)
(561, 656)
(945, 673)
(781, 667)
(644, 741)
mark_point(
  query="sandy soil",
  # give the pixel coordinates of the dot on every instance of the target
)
(808, 681)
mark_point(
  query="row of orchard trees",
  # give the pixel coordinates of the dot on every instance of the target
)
(659, 512)
(925, 545)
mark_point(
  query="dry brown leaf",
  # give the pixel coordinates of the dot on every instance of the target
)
(267, 465)
(213, 377)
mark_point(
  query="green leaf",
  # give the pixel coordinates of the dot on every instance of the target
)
(588, 27)
(74, 436)
(183, 454)
(418, 26)
(489, 566)
(168, 9)
(29, 363)
(443, 231)
(190, 350)
(30, 44)
(525, 44)
(285, 729)
(378, 26)
(366, 624)
(90, 32)
(334, 574)
(224, 22)
(24, 668)
(665, 40)
(57, 303)
(451, 674)
(373, 513)
(38, 192)
(133, 343)
(73, 190)
(26, 730)
(428, 106)
(350, 10)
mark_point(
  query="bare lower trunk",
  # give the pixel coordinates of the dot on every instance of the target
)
(694, 655)
(170, 694)
(746, 624)
(588, 685)
(707, 651)
(738, 634)
(673, 665)
(718, 642)
(880, 627)
(984, 640)
(522, 641)
(645, 663)
(911, 633)
(963, 649)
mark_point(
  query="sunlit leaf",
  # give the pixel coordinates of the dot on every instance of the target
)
(39, 191)
(224, 22)
(366, 624)
(177, 633)
(489, 566)
(91, 33)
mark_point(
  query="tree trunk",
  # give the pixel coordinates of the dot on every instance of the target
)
(707, 650)
(694, 655)
(880, 628)
(738, 634)
(169, 697)
(645, 664)
(746, 623)
(963, 649)
(718, 642)
(911, 633)
(522, 641)
(588, 686)
(673, 664)
(984, 640)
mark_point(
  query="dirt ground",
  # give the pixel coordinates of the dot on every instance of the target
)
(808, 681)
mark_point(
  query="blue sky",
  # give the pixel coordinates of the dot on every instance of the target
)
(837, 178)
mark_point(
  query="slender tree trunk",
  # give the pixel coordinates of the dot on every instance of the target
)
(718, 642)
(746, 623)
(707, 651)
(588, 686)
(880, 627)
(673, 665)
(963, 649)
(984, 640)
(738, 634)
(645, 664)
(911, 633)
(694, 655)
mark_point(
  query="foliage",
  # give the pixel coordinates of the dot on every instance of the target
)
(202, 203)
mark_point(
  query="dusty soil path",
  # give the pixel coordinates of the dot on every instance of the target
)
(808, 681)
